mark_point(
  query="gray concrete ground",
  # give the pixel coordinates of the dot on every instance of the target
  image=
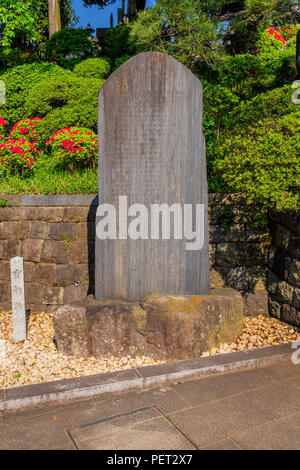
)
(255, 409)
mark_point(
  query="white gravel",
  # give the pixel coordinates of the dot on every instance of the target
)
(37, 359)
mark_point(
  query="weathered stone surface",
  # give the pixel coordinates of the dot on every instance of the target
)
(217, 278)
(54, 251)
(61, 231)
(71, 330)
(75, 214)
(84, 231)
(52, 295)
(237, 278)
(5, 292)
(4, 270)
(229, 254)
(25, 213)
(294, 273)
(11, 248)
(219, 234)
(296, 298)
(158, 159)
(290, 314)
(77, 252)
(32, 249)
(75, 293)
(39, 229)
(256, 277)
(180, 327)
(256, 303)
(6, 229)
(285, 291)
(73, 274)
(33, 292)
(44, 273)
(274, 307)
(5, 213)
(163, 326)
(281, 236)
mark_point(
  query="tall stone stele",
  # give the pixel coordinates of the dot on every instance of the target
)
(151, 151)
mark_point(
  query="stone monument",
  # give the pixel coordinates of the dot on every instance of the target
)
(152, 153)
(152, 264)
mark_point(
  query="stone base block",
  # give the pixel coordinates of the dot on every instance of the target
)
(256, 303)
(166, 327)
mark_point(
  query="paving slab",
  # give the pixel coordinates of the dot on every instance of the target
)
(138, 431)
(282, 434)
(163, 398)
(216, 420)
(284, 371)
(278, 399)
(46, 431)
(225, 444)
(13, 416)
(221, 386)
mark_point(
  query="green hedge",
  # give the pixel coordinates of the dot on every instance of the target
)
(93, 68)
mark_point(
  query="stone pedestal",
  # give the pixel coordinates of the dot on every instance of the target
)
(166, 327)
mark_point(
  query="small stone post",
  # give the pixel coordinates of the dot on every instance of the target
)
(18, 299)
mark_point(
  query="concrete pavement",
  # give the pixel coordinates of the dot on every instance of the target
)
(254, 409)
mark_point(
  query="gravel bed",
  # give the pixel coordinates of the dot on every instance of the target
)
(37, 359)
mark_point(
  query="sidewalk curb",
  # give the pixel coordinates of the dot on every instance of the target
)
(80, 388)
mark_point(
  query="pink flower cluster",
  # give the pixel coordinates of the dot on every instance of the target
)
(281, 35)
(75, 147)
(20, 150)
(25, 127)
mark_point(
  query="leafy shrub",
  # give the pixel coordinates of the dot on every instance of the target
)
(263, 162)
(73, 148)
(51, 94)
(17, 157)
(121, 60)
(117, 41)
(218, 102)
(97, 67)
(19, 81)
(81, 114)
(238, 72)
(26, 128)
(272, 104)
(64, 103)
(69, 46)
(13, 57)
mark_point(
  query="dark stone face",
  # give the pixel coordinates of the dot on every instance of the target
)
(152, 151)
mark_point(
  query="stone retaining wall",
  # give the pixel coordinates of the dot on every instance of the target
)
(283, 281)
(56, 236)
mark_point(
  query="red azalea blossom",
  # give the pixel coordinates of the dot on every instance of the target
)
(16, 155)
(73, 146)
(25, 126)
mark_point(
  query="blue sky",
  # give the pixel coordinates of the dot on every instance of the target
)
(97, 17)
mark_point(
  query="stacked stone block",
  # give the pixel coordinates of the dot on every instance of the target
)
(283, 281)
(56, 238)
